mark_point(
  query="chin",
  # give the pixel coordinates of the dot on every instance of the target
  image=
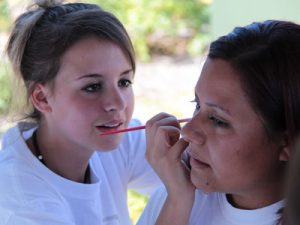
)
(204, 186)
(109, 145)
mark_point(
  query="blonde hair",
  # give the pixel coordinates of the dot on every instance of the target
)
(42, 34)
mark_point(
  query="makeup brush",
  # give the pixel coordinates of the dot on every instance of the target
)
(136, 128)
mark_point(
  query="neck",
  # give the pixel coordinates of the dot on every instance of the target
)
(65, 159)
(259, 198)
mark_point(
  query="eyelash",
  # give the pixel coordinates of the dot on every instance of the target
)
(197, 105)
(96, 87)
(91, 88)
(124, 83)
(216, 122)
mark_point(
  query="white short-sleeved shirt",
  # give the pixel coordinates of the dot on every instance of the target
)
(31, 194)
(213, 209)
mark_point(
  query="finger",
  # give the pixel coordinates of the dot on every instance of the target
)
(160, 144)
(178, 149)
(168, 121)
(156, 118)
(170, 134)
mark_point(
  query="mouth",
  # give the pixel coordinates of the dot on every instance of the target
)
(196, 162)
(110, 126)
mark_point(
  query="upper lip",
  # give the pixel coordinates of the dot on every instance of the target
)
(193, 155)
(113, 122)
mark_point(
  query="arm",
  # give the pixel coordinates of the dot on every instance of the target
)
(176, 210)
(164, 153)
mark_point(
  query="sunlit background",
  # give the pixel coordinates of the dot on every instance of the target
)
(171, 38)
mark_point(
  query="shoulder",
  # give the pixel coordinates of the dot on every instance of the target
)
(24, 189)
(20, 132)
(24, 195)
(133, 138)
(132, 146)
(134, 143)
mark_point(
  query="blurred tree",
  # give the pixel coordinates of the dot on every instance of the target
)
(172, 27)
(4, 16)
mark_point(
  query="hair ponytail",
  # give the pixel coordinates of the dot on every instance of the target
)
(20, 34)
(47, 3)
(22, 30)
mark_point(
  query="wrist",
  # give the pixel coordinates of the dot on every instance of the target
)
(186, 198)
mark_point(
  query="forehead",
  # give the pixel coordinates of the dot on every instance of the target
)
(220, 84)
(93, 55)
(218, 76)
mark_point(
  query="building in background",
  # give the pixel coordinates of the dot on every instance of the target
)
(227, 14)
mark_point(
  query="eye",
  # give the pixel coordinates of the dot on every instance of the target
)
(92, 87)
(197, 104)
(218, 122)
(124, 83)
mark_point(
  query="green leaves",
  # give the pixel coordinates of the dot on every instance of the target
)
(159, 26)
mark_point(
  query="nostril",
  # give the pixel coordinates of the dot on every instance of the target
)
(193, 136)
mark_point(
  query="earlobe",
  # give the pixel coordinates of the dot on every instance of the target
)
(285, 150)
(39, 99)
(285, 154)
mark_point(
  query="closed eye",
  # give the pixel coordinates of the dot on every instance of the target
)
(218, 122)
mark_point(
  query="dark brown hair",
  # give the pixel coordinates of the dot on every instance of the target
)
(41, 35)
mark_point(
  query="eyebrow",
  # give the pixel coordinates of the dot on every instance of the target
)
(213, 105)
(94, 75)
(218, 107)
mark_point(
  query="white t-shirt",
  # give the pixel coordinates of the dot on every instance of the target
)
(32, 194)
(213, 209)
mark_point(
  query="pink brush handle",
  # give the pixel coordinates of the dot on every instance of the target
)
(136, 128)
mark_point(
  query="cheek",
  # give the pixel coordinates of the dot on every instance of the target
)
(242, 166)
(130, 102)
(78, 115)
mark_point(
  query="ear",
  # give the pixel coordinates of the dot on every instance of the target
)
(285, 150)
(285, 154)
(39, 98)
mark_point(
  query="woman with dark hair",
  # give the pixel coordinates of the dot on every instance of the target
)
(240, 138)
(77, 64)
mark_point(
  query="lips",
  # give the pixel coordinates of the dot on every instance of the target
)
(198, 164)
(195, 162)
(109, 126)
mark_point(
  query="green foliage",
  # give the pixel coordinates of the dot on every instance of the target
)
(160, 26)
(136, 204)
(5, 90)
(4, 16)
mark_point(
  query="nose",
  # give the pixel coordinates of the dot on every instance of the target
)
(114, 100)
(192, 131)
